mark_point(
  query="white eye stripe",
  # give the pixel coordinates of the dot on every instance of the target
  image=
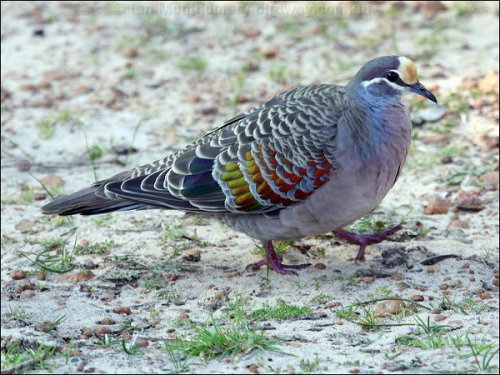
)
(384, 80)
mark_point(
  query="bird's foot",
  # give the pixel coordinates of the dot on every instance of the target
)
(272, 261)
(365, 239)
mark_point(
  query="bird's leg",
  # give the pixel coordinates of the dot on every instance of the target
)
(365, 239)
(272, 261)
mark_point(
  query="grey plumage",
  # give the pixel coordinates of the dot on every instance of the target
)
(311, 160)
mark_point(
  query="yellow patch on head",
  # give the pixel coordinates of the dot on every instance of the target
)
(407, 70)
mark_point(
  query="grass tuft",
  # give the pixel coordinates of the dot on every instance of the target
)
(213, 340)
(196, 63)
(281, 311)
(17, 358)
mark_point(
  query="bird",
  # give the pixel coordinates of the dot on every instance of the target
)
(310, 160)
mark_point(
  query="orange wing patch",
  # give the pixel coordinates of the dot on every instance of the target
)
(318, 172)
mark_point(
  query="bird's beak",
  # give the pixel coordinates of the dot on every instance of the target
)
(419, 89)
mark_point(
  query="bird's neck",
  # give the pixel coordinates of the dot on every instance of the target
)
(379, 124)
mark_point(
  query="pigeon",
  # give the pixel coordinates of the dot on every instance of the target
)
(311, 160)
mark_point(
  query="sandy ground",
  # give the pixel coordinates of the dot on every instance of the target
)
(82, 79)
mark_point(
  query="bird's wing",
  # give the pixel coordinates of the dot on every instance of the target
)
(270, 157)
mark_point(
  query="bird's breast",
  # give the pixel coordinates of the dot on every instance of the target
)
(368, 164)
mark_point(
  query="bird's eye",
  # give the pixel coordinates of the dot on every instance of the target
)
(392, 76)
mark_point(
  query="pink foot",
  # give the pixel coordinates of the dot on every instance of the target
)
(365, 239)
(272, 261)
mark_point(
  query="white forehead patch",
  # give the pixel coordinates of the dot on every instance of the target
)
(407, 70)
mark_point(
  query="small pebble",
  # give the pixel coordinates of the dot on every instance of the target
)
(254, 369)
(437, 310)
(397, 276)
(28, 87)
(84, 243)
(184, 316)
(269, 52)
(39, 196)
(39, 32)
(417, 298)
(218, 296)
(429, 8)
(485, 295)
(489, 83)
(122, 310)
(440, 318)
(142, 342)
(446, 159)
(130, 52)
(432, 113)
(192, 255)
(24, 225)
(437, 206)
(27, 294)
(23, 165)
(209, 110)
(44, 84)
(172, 277)
(490, 178)
(462, 224)
(87, 334)
(17, 274)
(390, 307)
(252, 66)
(443, 286)
(394, 256)
(107, 321)
(25, 284)
(240, 98)
(330, 305)
(52, 181)
(467, 201)
(108, 297)
(79, 276)
(101, 330)
(320, 266)
(431, 270)
(252, 32)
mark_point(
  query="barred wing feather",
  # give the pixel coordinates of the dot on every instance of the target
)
(270, 157)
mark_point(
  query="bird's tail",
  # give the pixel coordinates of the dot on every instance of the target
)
(86, 202)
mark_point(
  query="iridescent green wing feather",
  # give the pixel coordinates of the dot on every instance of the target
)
(271, 157)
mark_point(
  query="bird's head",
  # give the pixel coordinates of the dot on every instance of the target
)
(389, 76)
